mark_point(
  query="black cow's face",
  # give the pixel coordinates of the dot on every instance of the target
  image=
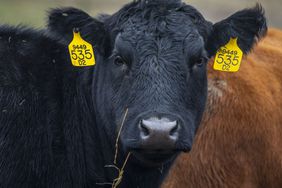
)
(158, 76)
(151, 69)
(158, 70)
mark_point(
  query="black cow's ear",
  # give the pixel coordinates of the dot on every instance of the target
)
(249, 25)
(63, 21)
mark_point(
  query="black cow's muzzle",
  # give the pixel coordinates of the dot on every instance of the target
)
(158, 136)
(158, 133)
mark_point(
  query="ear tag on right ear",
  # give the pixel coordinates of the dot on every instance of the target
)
(81, 52)
(229, 57)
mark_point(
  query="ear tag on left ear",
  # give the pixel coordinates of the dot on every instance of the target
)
(81, 52)
(229, 57)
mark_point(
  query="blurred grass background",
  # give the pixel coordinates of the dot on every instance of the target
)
(33, 12)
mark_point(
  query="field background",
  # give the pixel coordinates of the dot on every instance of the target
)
(33, 12)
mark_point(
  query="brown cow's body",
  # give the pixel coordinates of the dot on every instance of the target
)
(239, 143)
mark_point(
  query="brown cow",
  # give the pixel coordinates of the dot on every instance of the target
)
(239, 144)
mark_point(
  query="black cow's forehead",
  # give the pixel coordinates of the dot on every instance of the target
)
(173, 40)
(166, 29)
(149, 19)
(190, 41)
(173, 25)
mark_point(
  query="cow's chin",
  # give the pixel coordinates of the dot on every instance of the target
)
(154, 158)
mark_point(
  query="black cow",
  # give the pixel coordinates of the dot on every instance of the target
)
(59, 123)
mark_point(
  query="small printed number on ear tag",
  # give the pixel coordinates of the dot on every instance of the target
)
(81, 52)
(228, 58)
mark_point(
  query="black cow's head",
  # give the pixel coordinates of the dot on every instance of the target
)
(152, 61)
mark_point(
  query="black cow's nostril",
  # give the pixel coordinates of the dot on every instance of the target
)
(174, 130)
(144, 130)
(158, 133)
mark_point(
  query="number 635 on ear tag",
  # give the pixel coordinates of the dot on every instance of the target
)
(81, 52)
(228, 58)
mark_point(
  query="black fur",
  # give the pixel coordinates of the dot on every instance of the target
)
(35, 88)
(58, 123)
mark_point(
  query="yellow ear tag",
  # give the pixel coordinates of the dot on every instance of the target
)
(229, 57)
(81, 52)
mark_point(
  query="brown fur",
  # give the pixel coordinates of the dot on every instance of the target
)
(239, 144)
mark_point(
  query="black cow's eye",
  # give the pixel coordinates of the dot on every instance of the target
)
(201, 61)
(119, 61)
